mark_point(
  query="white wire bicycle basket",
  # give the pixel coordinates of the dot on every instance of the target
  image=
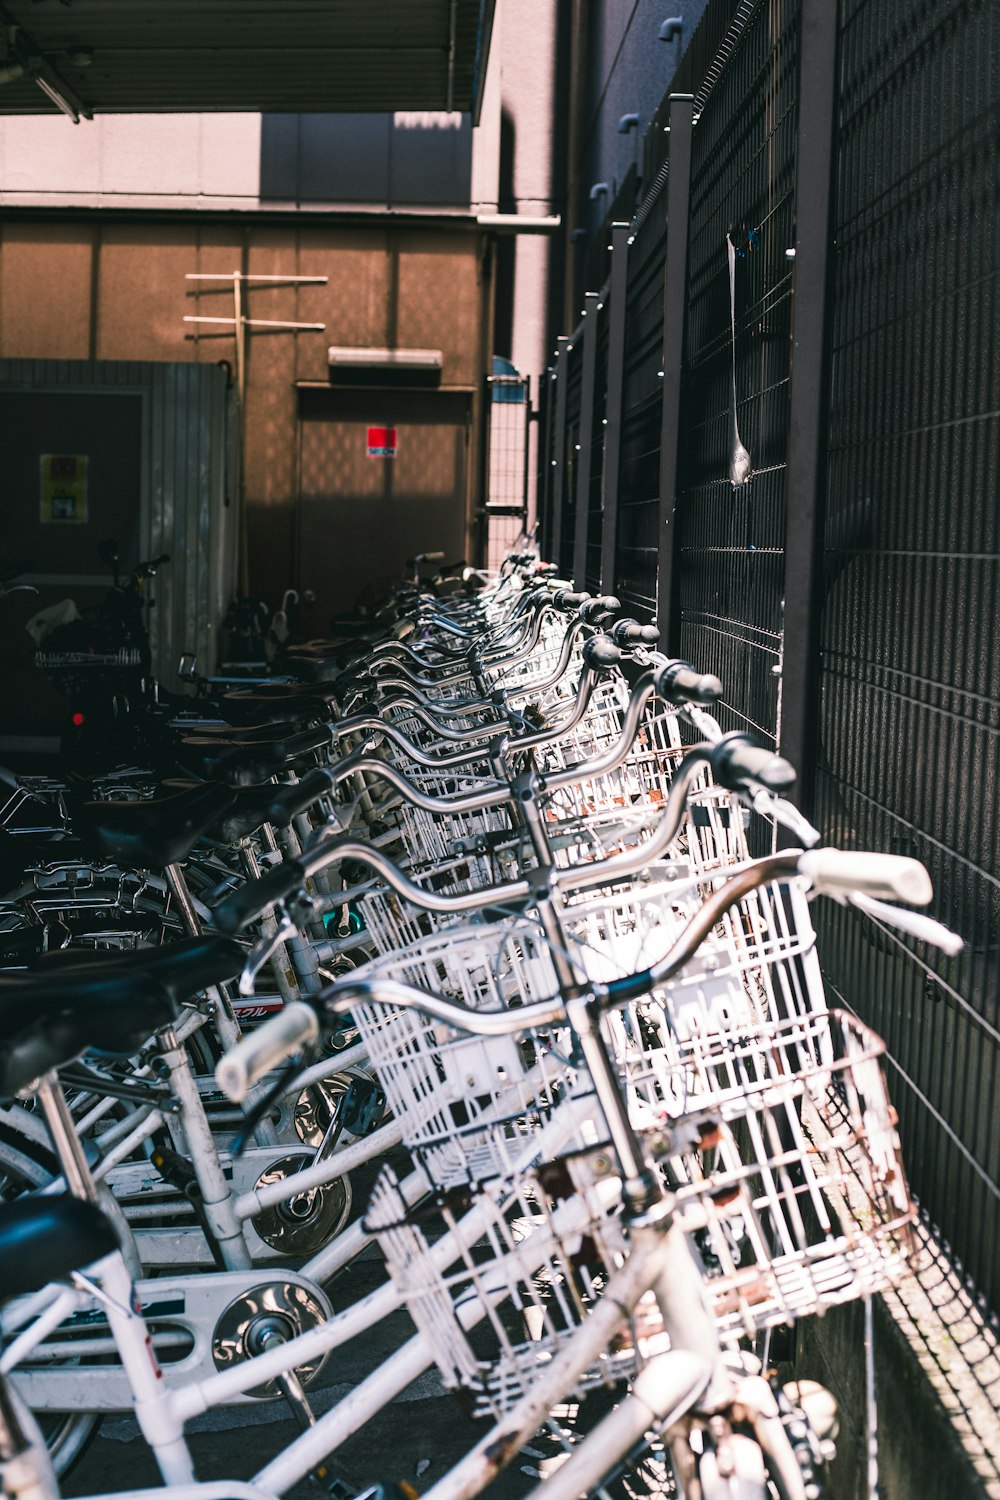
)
(620, 808)
(460, 1099)
(466, 1105)
(541, 662)
(435, 837)
(496, 1304)
(786, 1165)
(758, 963)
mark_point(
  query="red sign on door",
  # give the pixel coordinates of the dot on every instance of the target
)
(381, 442)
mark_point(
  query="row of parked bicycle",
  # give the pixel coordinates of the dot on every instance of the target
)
(489, 907)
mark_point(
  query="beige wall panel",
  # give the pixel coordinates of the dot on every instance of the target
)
(361, 516)
(142, 292)
(271, 550)
(45, 291)
(439, 303)
(354, 304)
(270, 452)
(270, 458)
(216, 249)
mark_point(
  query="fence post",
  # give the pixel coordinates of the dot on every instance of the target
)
(482, 528)
(611, 472)
(529, 417)
(543, 466)
(805, 477)
(681, 116)
(561, 380)
(581, 499)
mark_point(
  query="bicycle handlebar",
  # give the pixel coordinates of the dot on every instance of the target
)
(830, 871)
(679, 683)
(631, 633)
(739, 764)
(292, 800)
(234, 911)
(237, 1071)
(889, 877)
(600, 653)
(598, 611)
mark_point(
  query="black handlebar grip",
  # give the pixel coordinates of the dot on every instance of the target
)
(600, 653)
(737, 763)
(234, 911)
(292, 800)
(594, 610)
(565, 599)
(631, 633)
(678, 682)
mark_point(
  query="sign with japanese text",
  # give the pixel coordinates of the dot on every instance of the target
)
(381, 442)
(63, 495)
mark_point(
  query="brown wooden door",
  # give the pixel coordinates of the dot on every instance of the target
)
(362, 517)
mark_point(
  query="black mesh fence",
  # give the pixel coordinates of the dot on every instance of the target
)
(570, 372)
(595, 467)
(910, 707)
(732, 536)
(639, 494)
(506, 480)
(905, 672)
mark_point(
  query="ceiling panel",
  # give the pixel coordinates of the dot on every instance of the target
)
(104, 56)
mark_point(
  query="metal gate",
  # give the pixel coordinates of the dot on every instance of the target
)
(505, 515)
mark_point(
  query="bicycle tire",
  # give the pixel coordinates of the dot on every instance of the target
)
(23, 1168)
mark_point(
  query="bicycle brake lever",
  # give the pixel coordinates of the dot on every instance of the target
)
(262, 951)
(914, 923)
(780, 810)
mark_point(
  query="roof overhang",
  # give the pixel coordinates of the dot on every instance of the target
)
(298, 56)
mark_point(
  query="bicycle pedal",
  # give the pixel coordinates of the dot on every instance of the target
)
(363, 1106)
(390, 1491)
(340, 1487)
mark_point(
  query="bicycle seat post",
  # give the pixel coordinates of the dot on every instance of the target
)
(225, 1017)
(65, 1141)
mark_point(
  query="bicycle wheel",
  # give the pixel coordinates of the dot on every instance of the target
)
(23, 1169)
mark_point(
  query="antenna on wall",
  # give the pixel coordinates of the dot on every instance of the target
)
(240, 322)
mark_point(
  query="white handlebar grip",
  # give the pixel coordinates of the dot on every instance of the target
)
(236, 1073)
(889, 877)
